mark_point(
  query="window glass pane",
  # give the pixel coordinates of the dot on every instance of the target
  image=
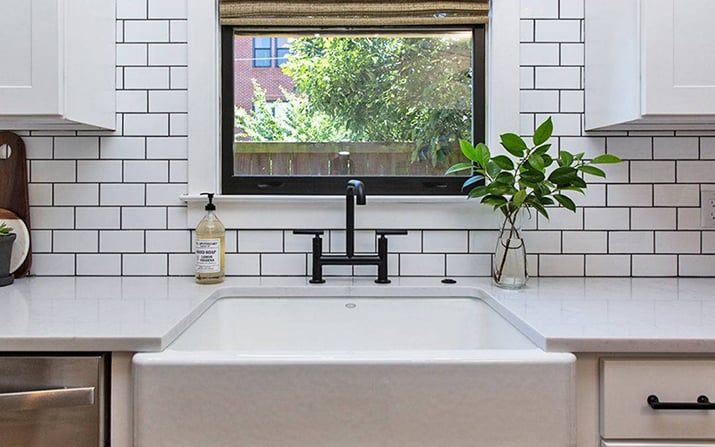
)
(375, 104)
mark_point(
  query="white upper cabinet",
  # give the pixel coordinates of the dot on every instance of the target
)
(650, 64)
(58, 64)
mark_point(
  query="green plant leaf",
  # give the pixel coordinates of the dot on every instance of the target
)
(541, 150)
(471, 180)
(592, 170)
(573, 188)
(505, 177)
(458, 167)
(482, 154)
(548, 161)
(468, 150)
(543, 132)
(519, 197)
(503, 162)
(493, 169)
(606, 159)
(514, 144)
(494, 200)
(564, 175)
(566, 158)
(546, 201)
(532, 176)
(536, 162)
(478, 191)
(500, 189)
(578, 182)
(532, 202)
(566, 202)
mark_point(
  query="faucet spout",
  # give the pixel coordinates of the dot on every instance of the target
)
(354, 192)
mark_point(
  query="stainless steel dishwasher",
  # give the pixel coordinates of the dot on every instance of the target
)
(53, 400)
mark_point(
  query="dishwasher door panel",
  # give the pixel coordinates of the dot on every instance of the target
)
(52, 401)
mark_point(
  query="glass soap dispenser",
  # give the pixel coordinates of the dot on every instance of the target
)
(210, 246)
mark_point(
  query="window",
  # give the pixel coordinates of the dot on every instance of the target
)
(385, 105)
(262, 52)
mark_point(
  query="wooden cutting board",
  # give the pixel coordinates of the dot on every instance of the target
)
(13, 184)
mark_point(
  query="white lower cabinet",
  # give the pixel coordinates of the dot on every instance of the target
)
(657, 402)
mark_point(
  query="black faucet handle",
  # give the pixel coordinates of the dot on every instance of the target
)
(391, 232)
(309, 232)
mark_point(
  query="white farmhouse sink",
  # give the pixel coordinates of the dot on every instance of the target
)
(352, 371)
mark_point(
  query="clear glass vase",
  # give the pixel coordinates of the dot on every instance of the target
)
(509, 269)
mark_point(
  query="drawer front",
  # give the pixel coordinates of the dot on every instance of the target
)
(626, 385)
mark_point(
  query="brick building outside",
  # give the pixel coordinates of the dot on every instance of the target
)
(259, 58)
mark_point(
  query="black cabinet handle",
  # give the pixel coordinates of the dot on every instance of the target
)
(703, 403)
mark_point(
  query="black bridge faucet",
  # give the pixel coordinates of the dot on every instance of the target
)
(354, 194)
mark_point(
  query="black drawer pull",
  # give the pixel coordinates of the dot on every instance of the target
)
(703, 403)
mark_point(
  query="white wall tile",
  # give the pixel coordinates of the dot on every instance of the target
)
(630, 195)
(606, 219)
(672, 242)
(49, 218)
(146, 171)
(183, 264)
(168, 54)
(168, 9)
(558, 77)
(52, 171)
(708, 242)
(297, 243)
(76, 147)
(594, 195)
(39, 194)
(539, 9)
(231, 241)
(99, 171)
(696, 171)
(584, 241)
(244, 264)
(168, 101)
(120, 194)
(365, 241)
(122, 147)
(132, 54)
(146, 77)
(167, 148)
(689, 219)
(179, 77)
(469, 265)
(573, 54)
(408, 243)
(539, 54)
(178, 31)
(178, 124)
(526, 77)
(178, 218)
(76, 194)
(52, 264)
(652, 171)
(282, 264)
(146, 124)
(444, 241)
(422, 264)
(561, 219)
(653, 218)
(178, 171)
(526, 31)
(536, 242)
(572, 101)
(675, 148)
(482, 241)
(561, 265)
(630, 242)
(131, 9)
(571, 9)
(266, 241)
(121, 241)
(696, 265)
(96, 264)
(558, 31)
(144, 265)
(707, 148)
(539, 101)
(608, 265)
(38, 147)
(146, 31)
(168, 241)
(631, 148)
(144, 217)
(565, 124)
(41, 241)
(75, 241)
(676, 195)
(132, 101)
(655, 265)
(97, 217)
(165, 194)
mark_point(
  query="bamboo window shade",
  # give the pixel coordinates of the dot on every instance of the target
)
(352, 13)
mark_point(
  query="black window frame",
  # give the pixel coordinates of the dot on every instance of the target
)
(258, 62)
(279, 52)
(232, 184)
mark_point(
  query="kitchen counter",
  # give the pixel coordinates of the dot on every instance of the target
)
(559, 314)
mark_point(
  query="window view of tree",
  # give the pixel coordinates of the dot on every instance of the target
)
(402, 101)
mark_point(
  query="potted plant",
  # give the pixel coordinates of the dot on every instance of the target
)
(531, 179)
(7, 238)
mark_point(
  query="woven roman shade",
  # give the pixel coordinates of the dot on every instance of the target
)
(352, 13)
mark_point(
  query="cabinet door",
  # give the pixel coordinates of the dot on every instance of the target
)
(29, 55)
(678, 63)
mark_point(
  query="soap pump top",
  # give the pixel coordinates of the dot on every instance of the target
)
(209, 206)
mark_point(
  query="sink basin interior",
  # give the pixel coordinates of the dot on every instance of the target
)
(350, 324)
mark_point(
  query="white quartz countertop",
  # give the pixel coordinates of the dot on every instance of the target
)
(607, 315)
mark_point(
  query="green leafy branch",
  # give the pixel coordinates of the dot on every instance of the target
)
(534, 179)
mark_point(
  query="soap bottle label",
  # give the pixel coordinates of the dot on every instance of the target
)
(208, 255)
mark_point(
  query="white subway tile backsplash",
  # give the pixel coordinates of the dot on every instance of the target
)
(131, 9)
(572, 101)
(168, 54)
(422, 264)
(76, 147)
(46, 264)
(168, 101)
(482, 241)
(539, 9)
(655, 265)
(51, 218)
(100, 171)
(444, 241)
(179, 77)
(118, 194)
(571, 9)
(631, 148)
(99, 264)
(40, 194)
(409, 243)
(573, 54)
(38, 147)
(469, 265)
(630, 195)
(146, 78)
(146, 124)
(283, 264)
(75, 241)
(121, 241)
(696, 265)
(675, 148)
(178, 171)
(653, 218)
(676, 195)
(178, 31)
(536, 242)
(689, 219)
(670, 242)
(41, 241)
(558, 31)
(584, 241)
(165, 194)
(543, 101)
(168, 9)
(265, 241)
(526, 31)
(561, 265)
(76, 194)
(178, 218)
(145, 264)
(167, 148)
(707, 148)
(146, 31)
(539, 54)
(144, 217)
(606, 219)
(558, 77)
(146, 171)
(122, 147)
(652, 171)
(52, 171)
(696, 171)
(132, 54)
(561, 219)
(178, 124)
(97, 217)
(244, 264)
(168, 241)
(131, 101)
(608, 265)
(630, 242)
